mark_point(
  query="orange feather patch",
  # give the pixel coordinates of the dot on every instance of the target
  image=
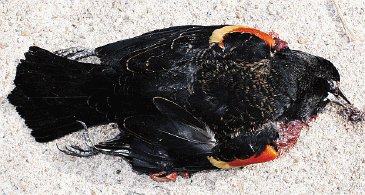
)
(218, 34)
(268, 154)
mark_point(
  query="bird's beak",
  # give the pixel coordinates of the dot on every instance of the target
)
(335, 94)
(341, 98)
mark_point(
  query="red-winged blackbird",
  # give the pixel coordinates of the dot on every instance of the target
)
(186, 98)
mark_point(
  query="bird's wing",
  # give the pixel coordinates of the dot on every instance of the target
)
(172, 140)
(156, 50)
(175, 129)
(160, 49)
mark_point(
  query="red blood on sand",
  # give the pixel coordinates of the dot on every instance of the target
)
(289, 133)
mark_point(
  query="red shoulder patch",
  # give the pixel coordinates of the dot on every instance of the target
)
(268, 154)
(218, 34)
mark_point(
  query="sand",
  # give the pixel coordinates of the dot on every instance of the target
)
(329, 157)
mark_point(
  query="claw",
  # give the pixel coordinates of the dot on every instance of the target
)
(164, 177)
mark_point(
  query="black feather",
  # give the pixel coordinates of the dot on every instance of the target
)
(213, 99)
(172, 140)
(51, 94)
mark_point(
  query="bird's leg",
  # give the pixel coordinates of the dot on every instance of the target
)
(75, 53)
(163, 176)
(75, 150)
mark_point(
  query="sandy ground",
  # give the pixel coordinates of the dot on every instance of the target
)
(328, 159)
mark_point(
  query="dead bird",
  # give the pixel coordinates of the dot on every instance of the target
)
(185, 98)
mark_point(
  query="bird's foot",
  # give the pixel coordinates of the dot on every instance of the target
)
(75, 53)
(163, 176)
(75, 150)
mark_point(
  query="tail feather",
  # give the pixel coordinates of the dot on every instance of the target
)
(52, 92)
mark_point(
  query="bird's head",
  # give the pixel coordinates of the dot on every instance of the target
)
(327, 71)
(329, 74)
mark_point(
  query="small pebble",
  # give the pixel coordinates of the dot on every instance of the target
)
(25, 33)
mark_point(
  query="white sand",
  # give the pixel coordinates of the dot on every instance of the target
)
(329, 157)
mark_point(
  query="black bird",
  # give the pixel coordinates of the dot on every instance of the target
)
(185, 98)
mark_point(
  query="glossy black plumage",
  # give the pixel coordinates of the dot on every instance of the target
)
(176, 97)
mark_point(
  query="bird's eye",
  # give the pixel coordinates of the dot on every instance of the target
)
(334, 86)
